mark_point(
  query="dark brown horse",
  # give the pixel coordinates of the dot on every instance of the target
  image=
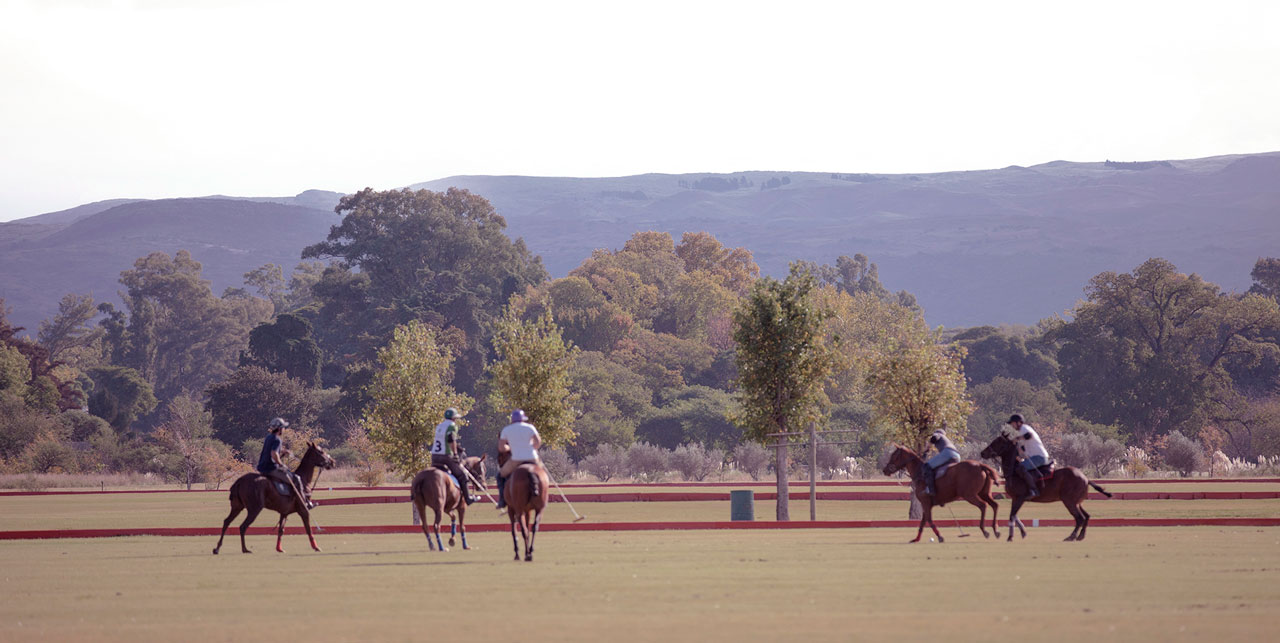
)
(255, 492)
(964, 480)
(435, 489)
(1068, 484)
(526, 495)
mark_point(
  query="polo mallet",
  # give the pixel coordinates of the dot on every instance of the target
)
(479, 486)
(963, 534)
(577, 517)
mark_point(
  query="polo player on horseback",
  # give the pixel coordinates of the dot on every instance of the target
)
(522, 438)
(272, 466)
(446, 452)
(1030, 448)
(947, 454)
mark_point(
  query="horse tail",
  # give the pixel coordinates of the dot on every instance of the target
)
(534, 490)
(1100, 489)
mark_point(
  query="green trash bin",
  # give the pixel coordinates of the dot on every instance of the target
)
(742, 504)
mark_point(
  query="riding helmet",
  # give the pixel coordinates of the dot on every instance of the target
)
(449, 414)
(279, 423)
(519, 416)
(1014, 418)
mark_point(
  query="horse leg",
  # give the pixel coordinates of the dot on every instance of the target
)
(453, 528)
(306, 523)
(236, 508)
(982, 514)
(1084, 527)
(920, 529)
(421, 508)
(1013, 517)
(280, 533)
(995, 513)
(928, 513)
(1078, 518)
(515, 544)
(254, 507)
(533, 535)
(524, 534)
(436, 528)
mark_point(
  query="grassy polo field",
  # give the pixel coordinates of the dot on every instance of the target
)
(1131, 583)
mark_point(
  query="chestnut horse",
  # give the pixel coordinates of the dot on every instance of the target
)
(967, 480)
(255, 492)
(526, 496)
(435, 489)
(1068, 484)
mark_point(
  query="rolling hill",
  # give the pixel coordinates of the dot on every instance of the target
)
(1010, 245)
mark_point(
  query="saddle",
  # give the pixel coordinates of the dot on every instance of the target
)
(1044, 472)
(282, 488)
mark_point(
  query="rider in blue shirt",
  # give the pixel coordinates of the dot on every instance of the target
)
(271, 465)
(947, 454)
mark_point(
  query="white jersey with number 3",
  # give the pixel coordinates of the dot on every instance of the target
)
(438, 445)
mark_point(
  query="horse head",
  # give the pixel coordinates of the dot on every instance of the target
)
(475, 466)
(898, 459)
(316, 456)
(997, 449)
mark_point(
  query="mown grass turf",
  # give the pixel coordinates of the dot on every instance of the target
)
(209, 509)
(1188, 583)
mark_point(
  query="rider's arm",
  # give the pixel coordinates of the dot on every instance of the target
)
(503, 442)
(537, 441)
(451, 442)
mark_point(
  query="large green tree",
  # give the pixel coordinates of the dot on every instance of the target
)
(178, 335)
(243, 404)
(531, 372)
(1148, 349)
(917, 390)
(410, 393)
(440, 258)
(783, 360)
(285, 346)
(120, 395)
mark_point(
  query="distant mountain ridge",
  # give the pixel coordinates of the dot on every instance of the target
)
(1010, 245)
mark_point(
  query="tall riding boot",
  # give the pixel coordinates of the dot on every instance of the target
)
(927, 473)
(465, 487)
(502, 497)
(1033, 487)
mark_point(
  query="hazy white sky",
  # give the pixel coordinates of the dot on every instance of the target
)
(270, 97)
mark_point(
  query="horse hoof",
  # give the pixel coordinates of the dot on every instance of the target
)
(444, 549)
(528, 558)
(466, 548)
(451, 541)
(215, 552)
(245, 551)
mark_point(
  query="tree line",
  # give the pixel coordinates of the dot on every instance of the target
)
(417, 301)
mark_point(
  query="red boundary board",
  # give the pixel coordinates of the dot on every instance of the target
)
(823, 495)
(632, 526)
(795, 483)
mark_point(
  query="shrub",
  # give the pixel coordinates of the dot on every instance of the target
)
(646, 462)
(751, 458)
(1183, 454)
(48, 455)
(607, 462)
(81, 425)
(831, 461)
(557, 462)
(1086, 450)
(694, 462)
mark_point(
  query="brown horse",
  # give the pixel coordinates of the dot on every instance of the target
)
(1069, 484)
(526, 497)
(967, 480)
(435, 489)
(255, 492)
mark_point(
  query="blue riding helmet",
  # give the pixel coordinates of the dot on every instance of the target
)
(519, 416)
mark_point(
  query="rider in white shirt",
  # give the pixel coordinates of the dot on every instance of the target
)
(524, 441)
(1032, 451)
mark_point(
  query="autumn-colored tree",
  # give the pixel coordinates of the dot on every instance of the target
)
(918, 390)
(531, 372)
(410, 393)
(186, 437)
